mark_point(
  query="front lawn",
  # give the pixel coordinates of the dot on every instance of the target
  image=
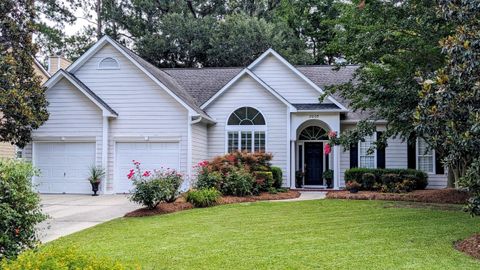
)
(328, 234)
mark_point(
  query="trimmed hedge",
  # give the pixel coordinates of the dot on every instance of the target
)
(277, 176)
(364, 176)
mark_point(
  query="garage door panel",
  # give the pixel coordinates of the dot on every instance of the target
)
(64, 166)
(152, 156)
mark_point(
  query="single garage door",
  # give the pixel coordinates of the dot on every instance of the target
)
(154, 155)
(64, 167)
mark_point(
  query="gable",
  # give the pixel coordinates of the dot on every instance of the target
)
(285, 81)
(70, 112)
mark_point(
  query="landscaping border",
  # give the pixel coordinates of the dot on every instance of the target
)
(181, 204)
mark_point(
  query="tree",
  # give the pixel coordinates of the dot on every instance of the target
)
(391, 42)
(448, 114)
(314, 22)
(22, 98)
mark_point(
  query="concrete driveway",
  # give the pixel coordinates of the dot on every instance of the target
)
(73, 213)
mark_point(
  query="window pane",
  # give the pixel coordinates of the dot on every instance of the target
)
(246, 116)
(423, 148)
(366, 160)
(260, 141)
(232, 141)
(425, 163)
(246, 140)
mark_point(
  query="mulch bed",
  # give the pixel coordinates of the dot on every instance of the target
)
(180, 204)
(470, 246)
(448, 195)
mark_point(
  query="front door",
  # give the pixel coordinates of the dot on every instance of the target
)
(313, 163)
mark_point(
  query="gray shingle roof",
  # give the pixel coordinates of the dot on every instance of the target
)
(316, 106)
(203, 83)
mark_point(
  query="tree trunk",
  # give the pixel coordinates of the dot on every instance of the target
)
(98, 9)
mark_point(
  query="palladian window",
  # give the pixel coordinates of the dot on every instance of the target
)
(246, 130)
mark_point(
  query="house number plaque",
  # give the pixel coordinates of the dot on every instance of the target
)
(314, 116)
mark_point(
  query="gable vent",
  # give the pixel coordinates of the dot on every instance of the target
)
(108, 63)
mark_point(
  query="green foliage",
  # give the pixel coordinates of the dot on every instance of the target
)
(96, 174)
(328, 174)
(60, 259)
(448, 115)
(150, 189)
(204, 197)
(19, 208)
(206, 179)
(264, 180)
(22, 98)
(239, 182)
(385, 177)
(391, 43)
(277, 176)
(471, 181)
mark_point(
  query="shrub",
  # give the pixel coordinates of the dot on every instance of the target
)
(352, 185)
(150, 189)
(257, 161)
(277, 176)
(368, 181)
(356, 174)
(263, 180)
(207, 179)
(19, 208)
(203, 197)
(60, 259)
(390, 178)
(239, 182)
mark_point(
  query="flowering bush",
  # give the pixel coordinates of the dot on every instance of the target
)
(152, 188)
(236, 173)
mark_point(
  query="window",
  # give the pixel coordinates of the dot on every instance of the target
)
(246, 131)
(108, 63)
(367, 160)
(313, 133)
(425, 157)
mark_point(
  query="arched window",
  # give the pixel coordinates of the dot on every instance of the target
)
(313, 133)
(246, 130)
(108, 63)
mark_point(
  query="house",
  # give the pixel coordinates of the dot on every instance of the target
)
(110, 107)
(7, 150)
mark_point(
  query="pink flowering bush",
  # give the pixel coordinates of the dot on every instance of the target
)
(153, 187)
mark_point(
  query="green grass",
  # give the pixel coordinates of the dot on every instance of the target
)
(325, 234)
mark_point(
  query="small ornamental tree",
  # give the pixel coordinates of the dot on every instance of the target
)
(448, 114)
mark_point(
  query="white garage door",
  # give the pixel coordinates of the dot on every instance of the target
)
(151, 156)
(64, 167)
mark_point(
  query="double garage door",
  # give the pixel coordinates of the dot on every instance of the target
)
(64, 166)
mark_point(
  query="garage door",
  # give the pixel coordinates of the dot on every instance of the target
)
(64, 167)
(150, 155)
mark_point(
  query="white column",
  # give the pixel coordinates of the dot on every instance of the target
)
(189, 152)
(336, 167)
(292, 164)
(105, 152)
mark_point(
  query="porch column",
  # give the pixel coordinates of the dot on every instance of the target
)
(292, 164)
(105, 153)
(336, 167)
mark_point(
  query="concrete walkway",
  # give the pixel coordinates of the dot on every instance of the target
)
(73, 213)
(307, 196)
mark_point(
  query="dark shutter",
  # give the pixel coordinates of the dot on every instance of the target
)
(438, 165)
(411, 152)
(354, 155)
(380, 154)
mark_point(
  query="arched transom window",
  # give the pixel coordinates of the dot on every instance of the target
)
(108, 63)
(313, 133)
(246, 130)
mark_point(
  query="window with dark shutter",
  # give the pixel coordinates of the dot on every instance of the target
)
(380, 154)
(354, 155)
(412, 152)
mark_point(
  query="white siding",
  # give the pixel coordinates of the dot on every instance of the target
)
(72, 114)
(199, 143)
(396, 154)
(143, 107)
(247, 92)
(285, 81)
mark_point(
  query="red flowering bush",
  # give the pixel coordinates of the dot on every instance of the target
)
(152, 188)
(223, 173)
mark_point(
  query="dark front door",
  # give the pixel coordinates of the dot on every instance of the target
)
(313, 163)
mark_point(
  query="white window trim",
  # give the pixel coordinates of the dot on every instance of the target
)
(239, 138)
(108, 68)
(374, 136)
(417, 155)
